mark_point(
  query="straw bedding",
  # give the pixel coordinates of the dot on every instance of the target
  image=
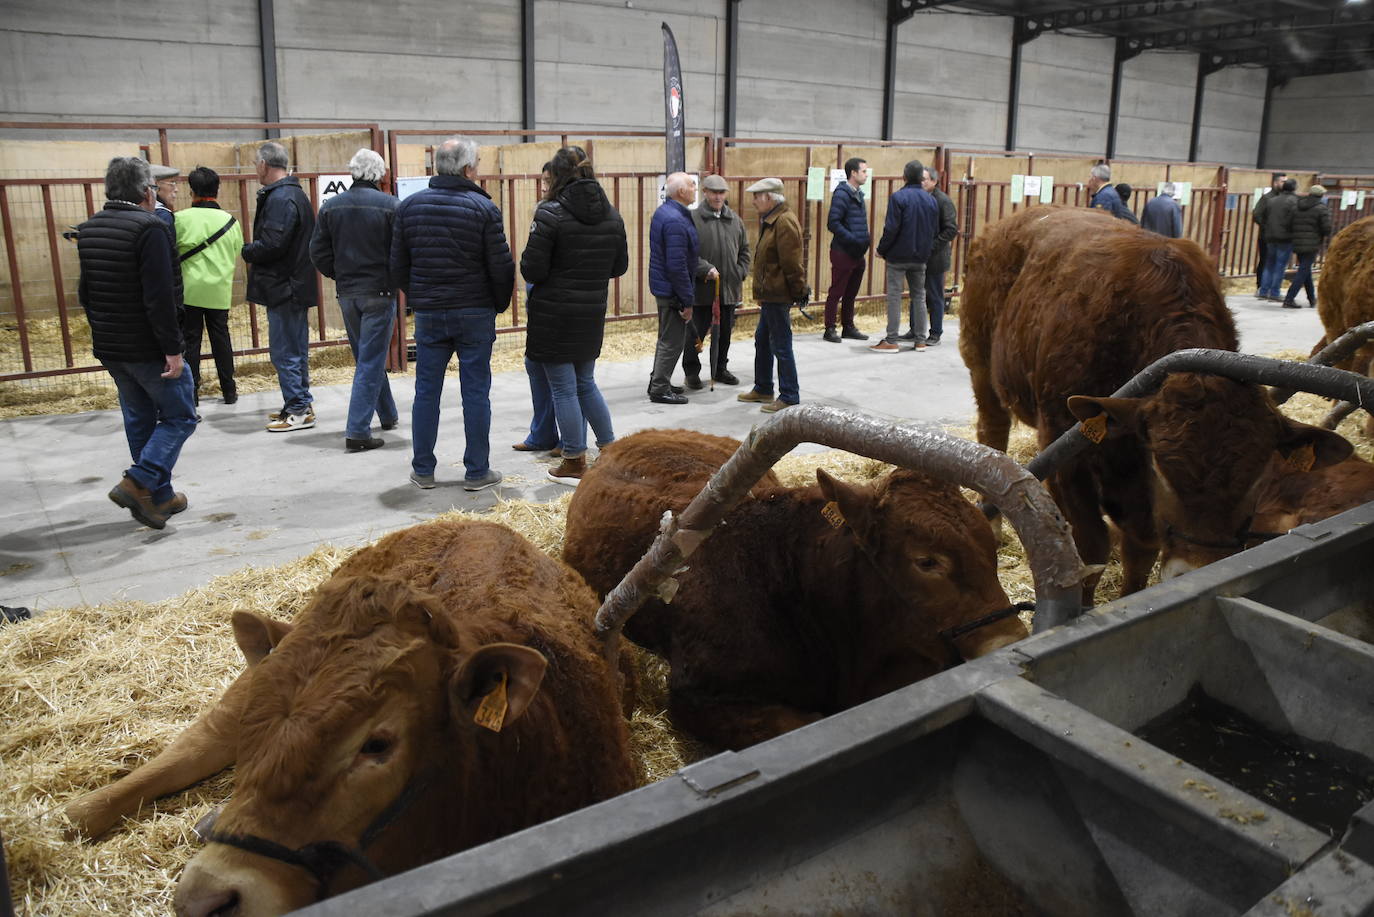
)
(89, 693)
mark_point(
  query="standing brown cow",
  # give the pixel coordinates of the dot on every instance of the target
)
(1061, 305)
(804, 601)
(1347, 294)
(443, 688)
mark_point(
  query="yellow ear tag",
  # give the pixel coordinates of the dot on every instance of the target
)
(1302, 458)
(491, 713)
(1095, 428)
(832, 514)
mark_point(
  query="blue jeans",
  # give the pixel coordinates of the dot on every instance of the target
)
(543, 425)
(578, 402)
(159, 416)
(369, 318)
(935, 301)
(1275, 264)
(439, 334)
(1303, 278)
(773, 341)
(288, 343)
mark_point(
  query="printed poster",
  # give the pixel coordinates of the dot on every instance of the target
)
(405, 187)
(815, 183)
(327, 186)
(1031, 185)
(1018, 187)
(1047, 189)
(837, 177)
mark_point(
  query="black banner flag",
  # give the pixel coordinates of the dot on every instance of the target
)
(674, 136)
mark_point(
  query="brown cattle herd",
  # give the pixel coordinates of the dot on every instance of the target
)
(446, 686)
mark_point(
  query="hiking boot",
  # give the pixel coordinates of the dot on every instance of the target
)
(490, 479)
(131, 495)
(289, 422)
(1290, 304)
(853, 334)
(422, 481)
(694, 383)
(569, 471)
(362, 445)
(526, 447)
(773, 407)
(231, 397)
(725, 377)
(884, 347)
(173, 506)
(755, 396)
(831, 335)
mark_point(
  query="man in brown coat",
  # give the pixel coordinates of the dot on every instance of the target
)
(779, 283)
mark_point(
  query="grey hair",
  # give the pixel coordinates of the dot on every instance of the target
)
(776, 197)
(454, 155)
(934, 175)
(366, 165)
(273, 154)
(127, 179)
(1101, 172)
(1170, 188)
(676, 182)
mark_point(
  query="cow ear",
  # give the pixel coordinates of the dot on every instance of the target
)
(257, 635)
(1305, 447)
(846, 504)
(1106, 417)
(495, 685)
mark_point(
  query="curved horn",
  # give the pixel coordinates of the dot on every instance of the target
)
(1304, 377)
(1054, 562)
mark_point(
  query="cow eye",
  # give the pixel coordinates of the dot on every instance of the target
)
(376, 746)
(929, 563)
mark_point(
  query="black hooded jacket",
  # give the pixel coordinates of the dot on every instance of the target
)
(576, 245)
(1311, 224)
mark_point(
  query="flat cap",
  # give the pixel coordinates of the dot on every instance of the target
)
(1318, 190)
(161, 172)
(765, 184)
(714, 183)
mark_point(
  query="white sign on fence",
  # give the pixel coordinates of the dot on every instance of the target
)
(328, 186)
(405, 187)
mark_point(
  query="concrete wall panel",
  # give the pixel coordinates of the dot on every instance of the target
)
(1156, 106)
(224, 22)
(417, 28)
(1065, 94)
(1325, 122)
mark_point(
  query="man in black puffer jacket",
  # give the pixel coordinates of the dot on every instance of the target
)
(1311, 225)
(449, 255)
(281, 277)
(576, 245)
(126, 288)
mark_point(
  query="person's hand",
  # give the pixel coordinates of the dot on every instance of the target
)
(174, 366)
(712, 274)
(804, 297)
(687, 314)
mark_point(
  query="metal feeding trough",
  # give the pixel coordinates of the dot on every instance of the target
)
(1019, 783)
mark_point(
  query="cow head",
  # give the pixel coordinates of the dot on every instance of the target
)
(1208, 440)
(927, 555)
(358, 730)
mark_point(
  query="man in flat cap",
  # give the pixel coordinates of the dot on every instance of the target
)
(725, 260)
(673, 253)
(165, 177)
(779, 283)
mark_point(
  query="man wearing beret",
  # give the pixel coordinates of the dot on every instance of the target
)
(724, 256)
(779, 283)
(165, 177)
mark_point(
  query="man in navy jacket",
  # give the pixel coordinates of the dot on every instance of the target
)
(848, 224)
(1162, 214)
(449, 254)
(913, 219)
(673, 251)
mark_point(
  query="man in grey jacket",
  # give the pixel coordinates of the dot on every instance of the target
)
(724, 251)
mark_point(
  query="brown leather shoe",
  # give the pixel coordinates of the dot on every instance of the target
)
(129, 494)
(569, 471)
(173, 506)
(751, 395)
(773, 407)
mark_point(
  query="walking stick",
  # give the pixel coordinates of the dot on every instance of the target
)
(715, 334)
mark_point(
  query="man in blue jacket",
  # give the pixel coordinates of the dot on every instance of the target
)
(673, 250)
(449, 254)
(848, 225)
(352, 244)
(1162, 214)
(281, 278)
(1104, 194)
(913, 219)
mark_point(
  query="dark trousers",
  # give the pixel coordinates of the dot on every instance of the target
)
(216, 322)
(1303, 279)
(846, 273)
(1262, 253)
(935, 301)
(701, 326)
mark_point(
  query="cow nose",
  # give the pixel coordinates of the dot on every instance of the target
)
(222, 903)
(1175, 566)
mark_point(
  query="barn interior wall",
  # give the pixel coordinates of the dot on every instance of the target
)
(1325, 122)
(806, 68)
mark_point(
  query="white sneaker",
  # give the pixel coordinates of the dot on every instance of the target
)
(289, 422)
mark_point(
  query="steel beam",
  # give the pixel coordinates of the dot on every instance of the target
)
(267, 30)
(1019, 36)
(899, 11)
(1270, 84)
(527, 112)
(890, 80)
(731, 66)
(1204, 67)
(1105, 14)
(1123, 53)
(1187, 37)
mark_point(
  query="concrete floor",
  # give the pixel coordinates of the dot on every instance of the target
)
(262, 499)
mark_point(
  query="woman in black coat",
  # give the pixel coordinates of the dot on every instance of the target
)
(576, 245)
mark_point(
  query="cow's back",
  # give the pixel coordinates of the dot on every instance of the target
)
(1347, 287)
(1062, 302)
(615, 512)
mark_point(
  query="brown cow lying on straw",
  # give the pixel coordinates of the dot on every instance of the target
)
(805, 601)
(416, 684)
